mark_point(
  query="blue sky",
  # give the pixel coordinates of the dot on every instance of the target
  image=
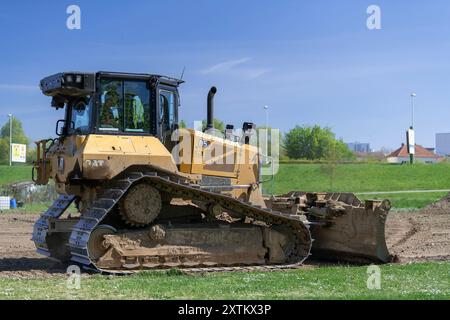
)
(309, 61)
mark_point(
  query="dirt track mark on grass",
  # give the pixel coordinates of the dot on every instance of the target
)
(409, 233)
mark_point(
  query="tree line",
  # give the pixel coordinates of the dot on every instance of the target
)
(305, 143)
(315, 143)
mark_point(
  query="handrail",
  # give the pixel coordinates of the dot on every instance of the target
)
(40, 165)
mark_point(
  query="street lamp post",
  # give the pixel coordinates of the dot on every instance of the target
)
(267, 116)
(10, 138)
(413, 95)
(411, 154)
(266, 108)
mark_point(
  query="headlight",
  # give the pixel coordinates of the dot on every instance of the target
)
(69, 78)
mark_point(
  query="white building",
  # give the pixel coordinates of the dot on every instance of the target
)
(401, 155)
(443, 144)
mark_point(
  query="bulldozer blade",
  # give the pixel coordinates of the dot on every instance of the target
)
(356, 235)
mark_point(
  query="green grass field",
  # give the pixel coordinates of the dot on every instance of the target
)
(408, 201)
(414, 281)
(14, 174)
(348, 178)
(367, 178)
(363, 177)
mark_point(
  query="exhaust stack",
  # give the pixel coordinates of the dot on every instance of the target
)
(210, 111)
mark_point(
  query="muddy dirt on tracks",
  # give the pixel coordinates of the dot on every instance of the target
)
(422, 235)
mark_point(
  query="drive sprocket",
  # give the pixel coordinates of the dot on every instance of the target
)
(141, 205)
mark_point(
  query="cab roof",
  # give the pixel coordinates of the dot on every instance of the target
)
(58, 84)
(144, 76)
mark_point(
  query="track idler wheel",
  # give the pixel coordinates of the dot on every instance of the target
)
(96, 245)
(141, 205)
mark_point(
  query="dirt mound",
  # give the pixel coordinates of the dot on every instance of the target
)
(422, 235)
(443, 204)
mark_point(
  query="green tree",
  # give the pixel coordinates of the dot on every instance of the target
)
(336, 152)
(314, 143)
(4, 151)
(218, 125)
(18, 136)
(31, 155)
(183, 124)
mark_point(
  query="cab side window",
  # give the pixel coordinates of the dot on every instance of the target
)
(137, 107)
(81, 115)
(167, 105)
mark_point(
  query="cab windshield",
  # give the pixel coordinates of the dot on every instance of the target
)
(80, 116)
(124, 106)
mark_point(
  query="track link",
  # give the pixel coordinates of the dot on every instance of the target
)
(41, 227)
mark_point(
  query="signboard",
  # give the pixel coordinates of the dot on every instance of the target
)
(410, 139)
(19, 152)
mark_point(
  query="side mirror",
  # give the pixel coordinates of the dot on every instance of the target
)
(60, 124)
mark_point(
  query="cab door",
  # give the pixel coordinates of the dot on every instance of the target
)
(167, 111)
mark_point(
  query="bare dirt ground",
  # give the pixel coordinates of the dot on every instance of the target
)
(18, 257)
(420, 235)
(412, 236)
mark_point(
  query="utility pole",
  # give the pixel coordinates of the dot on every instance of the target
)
(272, 181)
(10, 138)
(267, 116)
(411, 134)
(266, 109)
(413, 95)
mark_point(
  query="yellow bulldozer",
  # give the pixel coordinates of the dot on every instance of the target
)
(138, 192)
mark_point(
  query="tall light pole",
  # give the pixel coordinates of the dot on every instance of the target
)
(266, 108)
(10, 138)
(411, 134)
(267, 116)
(413, 95)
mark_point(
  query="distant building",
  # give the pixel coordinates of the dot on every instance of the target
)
(443, 144)
(370, 156)
(359, 147)
(401, 155)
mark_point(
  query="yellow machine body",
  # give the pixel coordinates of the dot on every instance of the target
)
(104, 157)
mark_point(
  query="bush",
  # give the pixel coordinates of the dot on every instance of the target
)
(315, 143)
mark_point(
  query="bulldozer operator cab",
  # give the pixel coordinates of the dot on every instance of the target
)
(114, 103)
